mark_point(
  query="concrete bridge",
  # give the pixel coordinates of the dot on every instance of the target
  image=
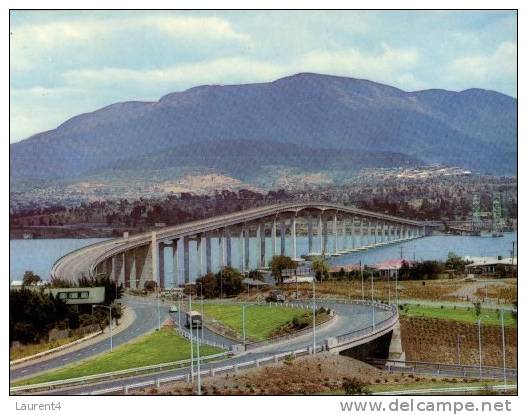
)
(258, 233)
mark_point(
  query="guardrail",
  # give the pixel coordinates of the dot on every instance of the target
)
(209, 372)
(448, 391)
(110, 375)
(445, 369)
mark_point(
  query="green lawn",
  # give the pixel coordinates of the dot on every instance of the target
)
(490, 317)
(159, 347)
(260, 321)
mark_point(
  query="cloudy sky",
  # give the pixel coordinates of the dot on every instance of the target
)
(66, 63)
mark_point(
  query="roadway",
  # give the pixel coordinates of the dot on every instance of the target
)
(349, 317)
(145, 321)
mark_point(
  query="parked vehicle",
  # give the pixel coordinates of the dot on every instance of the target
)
(173, 309)
(275, 297)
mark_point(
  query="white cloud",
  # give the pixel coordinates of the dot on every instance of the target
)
(385, 66)
(483, 69)
(31, 41)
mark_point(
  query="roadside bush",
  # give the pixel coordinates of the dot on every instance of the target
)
(354, 386)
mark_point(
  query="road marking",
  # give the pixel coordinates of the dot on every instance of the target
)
(66, 358)
(23, 371)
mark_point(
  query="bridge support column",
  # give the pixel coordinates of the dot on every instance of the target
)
(260, 241)
(320, 235)
(396, 351)
(203, 258)
(129, 269)
(282, 237)
(208, 253)
(344, 234)
(353, 243)
(222, 252)
(247, 248)
(154, 249)
(293, 237)
(325, 235)
(161, 265)
(369, 233)
(186, 259)
(309, 234)
(175, 263)
(229, 247)
(335, 234)
(273, 238)
(241, 251)
(375, 232)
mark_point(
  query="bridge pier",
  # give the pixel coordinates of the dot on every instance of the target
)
(320, 232)
(282, 236)
(335, 234)
(273, 238)
(175, 262)
(293, 237)
(309, 234)
(186, 259)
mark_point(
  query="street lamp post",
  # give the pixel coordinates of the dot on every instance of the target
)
(314, 317)
(480, 347)
(362, 280)
(372, 306)
(110, 309)
(503, 348)
(158, 312)
(459, 336)
(396, 288)
(243, 325)
(191, 338)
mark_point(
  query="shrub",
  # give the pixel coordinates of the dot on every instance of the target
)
(354, 386)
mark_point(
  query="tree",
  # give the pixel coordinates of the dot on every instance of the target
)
(150, 285)
(231, 281)
(280, 263)
(209, 284)
(320, 267)
(30, 278)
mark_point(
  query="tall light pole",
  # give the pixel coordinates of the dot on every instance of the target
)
(372, 306)
(201, 306)
(362, 280)
(480, 346)
(503, 348)
(396, 288)
(158, 312)
(459, 336)
(191, 338)
(110, 309)
(199, 365)
(243, 324)
(314, 317)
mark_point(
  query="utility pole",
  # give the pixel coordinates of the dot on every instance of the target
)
(243, 325)
(362, 280)
(191, 338)
(503, 348)
(372, 306)
(314, 316)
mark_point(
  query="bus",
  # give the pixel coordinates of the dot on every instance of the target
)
(194, 318)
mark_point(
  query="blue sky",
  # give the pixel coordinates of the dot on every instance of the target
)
(66, 63)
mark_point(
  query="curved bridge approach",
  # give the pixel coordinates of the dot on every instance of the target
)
(246, 240)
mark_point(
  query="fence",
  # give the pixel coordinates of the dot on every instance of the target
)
(163, 367)
(210, 372)
(444, 369)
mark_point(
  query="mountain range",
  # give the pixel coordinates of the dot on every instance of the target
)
(309, 122)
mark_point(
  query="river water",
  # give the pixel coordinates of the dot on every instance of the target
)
(38, 255)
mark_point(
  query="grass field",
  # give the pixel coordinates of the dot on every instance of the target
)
(260, 321)
(459, 314)
(159, 347)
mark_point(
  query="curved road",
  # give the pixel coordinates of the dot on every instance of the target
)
(146, 319)
(349, 317)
